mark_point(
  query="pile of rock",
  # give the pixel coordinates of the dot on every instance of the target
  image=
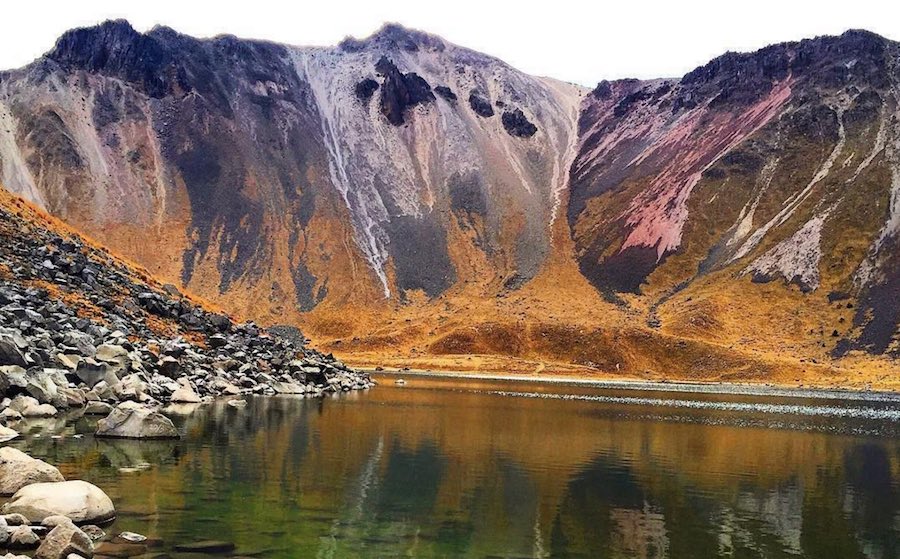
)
(79, 328)
(45, 511)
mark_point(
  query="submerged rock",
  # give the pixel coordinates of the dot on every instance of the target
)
(80, 501)
(209, 546)
(94, 532)
(130, 420)
(133, 537)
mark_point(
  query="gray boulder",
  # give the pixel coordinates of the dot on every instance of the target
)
(11, 351)
(23, 537)
(30, 407)
(91, 372)
(110, 353)
(8, 415)
(12, 376)
(130, 420)
(45, 385)
(169, 367)
(7, 434)
(82, 343)
(97, 408)
(131, 387)
(72, 397)
(288, 388)
(69, 361)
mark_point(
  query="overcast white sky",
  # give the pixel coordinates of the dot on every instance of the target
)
(582, 42)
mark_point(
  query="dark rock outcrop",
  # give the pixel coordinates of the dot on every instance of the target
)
(517, 124)
(480, 105)
(446, 93)
(115, 48)
(365, 89)
(401, 91)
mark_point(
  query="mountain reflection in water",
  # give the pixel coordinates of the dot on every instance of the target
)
(452, 468)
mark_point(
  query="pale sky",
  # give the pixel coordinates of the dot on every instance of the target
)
(582, 42)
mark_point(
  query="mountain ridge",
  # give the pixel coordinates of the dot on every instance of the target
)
(417, 186)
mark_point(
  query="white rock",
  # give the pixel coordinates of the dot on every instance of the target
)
(17, 470)
(64, 540)
(185, 393)
(7, 434)
(79, 500)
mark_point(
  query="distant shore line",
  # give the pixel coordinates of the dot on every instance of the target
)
(700, 387)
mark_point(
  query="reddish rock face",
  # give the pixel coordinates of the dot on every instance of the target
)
(749, 163)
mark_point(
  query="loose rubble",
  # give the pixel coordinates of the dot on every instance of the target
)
(81, 329)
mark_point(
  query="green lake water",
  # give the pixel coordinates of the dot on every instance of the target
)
(466, 468)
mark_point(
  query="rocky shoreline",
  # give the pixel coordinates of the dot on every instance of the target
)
(52, 518)
(81, 329)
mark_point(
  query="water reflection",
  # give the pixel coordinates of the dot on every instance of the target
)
(439, 469)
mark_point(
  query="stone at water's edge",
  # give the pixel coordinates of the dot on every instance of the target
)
(17, 470)
(185, 393)
(63, 540)
(130, 420)
(80, 501)
(7, 434)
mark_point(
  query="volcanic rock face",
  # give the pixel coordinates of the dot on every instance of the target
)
(309, 182)
(400, 92)
(303, 192)
(778, 164)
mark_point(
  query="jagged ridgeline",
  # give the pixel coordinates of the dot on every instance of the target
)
(427, 190)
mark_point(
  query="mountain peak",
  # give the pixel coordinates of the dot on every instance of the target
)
(394, 36)
(115, 48)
